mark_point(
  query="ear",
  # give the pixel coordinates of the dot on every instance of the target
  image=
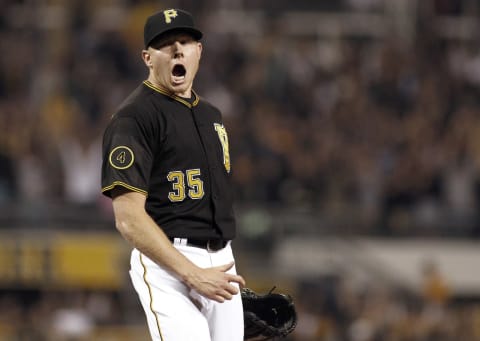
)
(147, 58)
(200, 47)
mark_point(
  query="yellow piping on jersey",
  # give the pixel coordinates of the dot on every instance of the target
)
(151, 296)
(123, 184)
(175, 97)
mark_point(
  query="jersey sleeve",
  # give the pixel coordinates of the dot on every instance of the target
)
(127, 156)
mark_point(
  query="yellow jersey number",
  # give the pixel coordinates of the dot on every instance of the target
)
(193, 187)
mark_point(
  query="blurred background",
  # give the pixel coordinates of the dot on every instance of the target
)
(355, 140)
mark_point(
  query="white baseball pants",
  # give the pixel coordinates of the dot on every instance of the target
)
(176, 313)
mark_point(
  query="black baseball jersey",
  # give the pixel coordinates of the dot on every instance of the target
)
(176, 153)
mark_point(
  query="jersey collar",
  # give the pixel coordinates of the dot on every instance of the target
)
(175, 97)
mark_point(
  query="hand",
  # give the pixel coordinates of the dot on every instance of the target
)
(215, 283)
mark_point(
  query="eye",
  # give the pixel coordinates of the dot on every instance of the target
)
(160, 45)
(185, 40)
(169, 41)
(163, 43)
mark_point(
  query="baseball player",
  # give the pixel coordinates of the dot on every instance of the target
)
(167, 169)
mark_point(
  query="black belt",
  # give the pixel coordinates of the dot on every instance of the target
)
(207, 244)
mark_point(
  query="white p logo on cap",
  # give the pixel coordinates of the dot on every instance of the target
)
(169, 15)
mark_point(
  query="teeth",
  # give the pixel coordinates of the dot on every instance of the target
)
(178, 79)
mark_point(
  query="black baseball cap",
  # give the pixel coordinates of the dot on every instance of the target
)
(167, 21)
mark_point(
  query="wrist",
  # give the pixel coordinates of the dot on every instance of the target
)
(188, 274)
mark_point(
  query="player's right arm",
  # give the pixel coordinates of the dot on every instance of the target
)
(138, 228)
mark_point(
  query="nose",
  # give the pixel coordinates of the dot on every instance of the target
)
(177, 49)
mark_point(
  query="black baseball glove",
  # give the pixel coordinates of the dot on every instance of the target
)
(267, 316)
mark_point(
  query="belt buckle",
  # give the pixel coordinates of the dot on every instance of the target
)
(214, 249)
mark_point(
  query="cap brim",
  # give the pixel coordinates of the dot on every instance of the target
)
(196, 34)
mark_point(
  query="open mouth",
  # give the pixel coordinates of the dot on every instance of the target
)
(179, 71)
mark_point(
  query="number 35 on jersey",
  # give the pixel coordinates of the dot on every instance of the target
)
(188, 183)
(192, 186)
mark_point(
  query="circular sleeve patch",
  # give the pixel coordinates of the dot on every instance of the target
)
(121, 157)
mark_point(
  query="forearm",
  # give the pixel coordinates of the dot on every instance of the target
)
(141, 231)
(146, 236)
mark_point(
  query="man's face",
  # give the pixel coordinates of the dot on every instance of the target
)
(173, 62)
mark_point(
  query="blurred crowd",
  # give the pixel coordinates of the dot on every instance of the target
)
(334, 309)
(385, 129)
